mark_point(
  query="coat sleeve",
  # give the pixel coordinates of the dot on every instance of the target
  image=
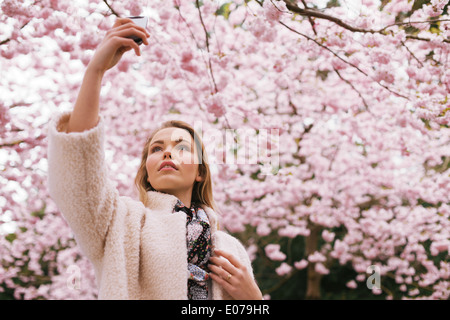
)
(79, 185)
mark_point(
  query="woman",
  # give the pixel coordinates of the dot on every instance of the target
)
(161, 246)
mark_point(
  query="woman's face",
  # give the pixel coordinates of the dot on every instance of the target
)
(172, 164)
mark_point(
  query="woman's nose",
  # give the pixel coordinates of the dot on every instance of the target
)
(167, 154)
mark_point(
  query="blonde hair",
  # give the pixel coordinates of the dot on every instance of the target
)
(202, 191)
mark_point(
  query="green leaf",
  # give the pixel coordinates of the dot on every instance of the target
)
(11, 237)
(224, 10)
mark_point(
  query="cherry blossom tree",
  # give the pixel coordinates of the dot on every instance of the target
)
(326, 125)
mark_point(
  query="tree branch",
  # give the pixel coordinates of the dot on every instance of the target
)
(412, 54)
(324, 47)
(207, 46)
(317, 14)
(11, 144)
(112, 10)
(353, 87)
(412, 22)
(9, 39)
(340, 58)
(311, 21)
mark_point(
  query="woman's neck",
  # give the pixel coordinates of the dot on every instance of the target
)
(184, 197)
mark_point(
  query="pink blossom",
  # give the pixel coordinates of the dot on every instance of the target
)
(160, 54)
(385, 75)
(124, 65)
(215, 105)
(54, 22)
(186, 56)
(273, 10)
(278, 66)
(293, 231)
(89, 41)
(338, 64)
(13, 9)
(273, 252)
(439, 246)
(283, 269)
(380, 56)
(399, 6)
(238, 15)
(190, 67)
(258, 28)
(263, 230)
(301, 264)
(320, 268)
(165, 13)
(66, 46)
(327, 235)
(134, 7)
(316, 257)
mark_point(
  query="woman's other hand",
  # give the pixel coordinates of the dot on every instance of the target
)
(234, 277)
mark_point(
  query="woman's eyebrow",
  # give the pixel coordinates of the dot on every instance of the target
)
(177, 141)
(159, 141)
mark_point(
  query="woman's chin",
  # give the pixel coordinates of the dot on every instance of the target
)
(167, 186)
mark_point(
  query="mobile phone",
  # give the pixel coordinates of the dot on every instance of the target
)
(142, 22)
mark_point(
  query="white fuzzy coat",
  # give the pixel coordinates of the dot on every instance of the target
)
(137, 252)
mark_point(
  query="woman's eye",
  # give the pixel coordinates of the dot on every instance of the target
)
(156, 149)
(186, 148)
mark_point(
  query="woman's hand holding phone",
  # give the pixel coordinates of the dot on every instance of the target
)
(117, 41)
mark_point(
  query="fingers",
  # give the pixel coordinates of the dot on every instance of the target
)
(121, 36)
(232, 259)
(226, 266)
(220, 271)
(233, 276)
(123, 30)
(121, 21)
(128, 44)
(128, 30)
(221, 267)
(222, 282)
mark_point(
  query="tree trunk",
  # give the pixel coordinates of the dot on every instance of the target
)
(313, 278)
(313, 283)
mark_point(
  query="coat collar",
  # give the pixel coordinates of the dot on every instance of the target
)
(164, 202)
(159, 201)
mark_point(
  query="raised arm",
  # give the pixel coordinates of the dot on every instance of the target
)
(85, 114)
(77, 172)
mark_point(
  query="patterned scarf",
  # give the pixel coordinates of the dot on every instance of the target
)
(198, 240)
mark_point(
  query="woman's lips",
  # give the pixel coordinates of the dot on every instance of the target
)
(167, 164)
(168, 169)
